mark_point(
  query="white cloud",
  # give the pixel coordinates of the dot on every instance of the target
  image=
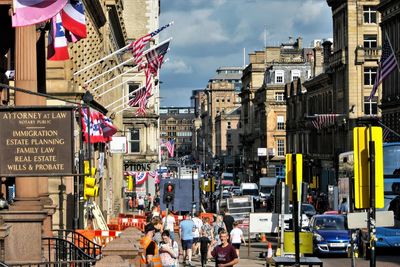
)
(313, 10)
(177, 66)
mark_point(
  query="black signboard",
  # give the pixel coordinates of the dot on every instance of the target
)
(36, 141)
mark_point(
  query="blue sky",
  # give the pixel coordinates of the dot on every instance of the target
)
(208, 34)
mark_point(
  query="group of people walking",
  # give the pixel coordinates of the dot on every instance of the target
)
(198, 237)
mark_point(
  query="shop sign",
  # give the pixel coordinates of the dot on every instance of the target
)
(36, 141)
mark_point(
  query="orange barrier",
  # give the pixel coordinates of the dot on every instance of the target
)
(100, 237)
(131, 222)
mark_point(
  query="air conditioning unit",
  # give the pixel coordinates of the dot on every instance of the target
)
(271, 151)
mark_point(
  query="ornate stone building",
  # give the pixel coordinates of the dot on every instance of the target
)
(390, 100)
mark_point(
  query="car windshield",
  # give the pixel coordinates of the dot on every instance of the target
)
(250, 192)
(308, 208)
(266, 190)
(330, 223)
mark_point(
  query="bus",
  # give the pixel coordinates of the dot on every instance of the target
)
(387, 237)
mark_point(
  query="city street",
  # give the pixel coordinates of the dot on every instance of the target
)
(384, 258)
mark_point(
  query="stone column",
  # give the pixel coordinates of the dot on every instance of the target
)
(26, 216)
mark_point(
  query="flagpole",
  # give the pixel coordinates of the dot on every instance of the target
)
(395, 58)
(112, 88)
(116, 77)
(109, 105)
(110, 55)
(387, 127)
(123, 63)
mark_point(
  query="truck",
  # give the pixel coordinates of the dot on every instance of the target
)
(267, 188)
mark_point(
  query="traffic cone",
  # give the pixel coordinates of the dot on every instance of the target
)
(269, 252)
(263, 238)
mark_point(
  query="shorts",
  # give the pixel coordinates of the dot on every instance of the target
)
(187, 244)
(141, 207)
(236, 245)
(196, 240)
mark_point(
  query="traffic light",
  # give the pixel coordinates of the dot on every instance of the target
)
(90, 189)
(289, 173)
(169, 193)
(130, 183)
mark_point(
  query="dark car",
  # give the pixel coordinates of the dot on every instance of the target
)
(308, 210)
(331, 235)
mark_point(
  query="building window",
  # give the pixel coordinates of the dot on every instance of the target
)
(217, 110)
(370, 41)
(369, 14)
(279, 97)
(222, 100)
(134, 141)
(217, 99)
(228, 137)
(280, 122)
(369, 76)
(281, 147)
(132, 87)
(229, 125)
(308, 74)
(371, 106)
(295, 74)
(279, 76)
(228, 99)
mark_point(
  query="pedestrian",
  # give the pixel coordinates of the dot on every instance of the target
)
(169, 251)
(141, 205)
(131, 203)
(149, 201)
(150, 256)
(169, 224)
(207, 228)
(344, 206)
(228, 220)
(237, 237)
(155, 212)
(198, 223)
(204, 244)
(218, 225)
(186, 228)
(156, 221)
(224, 254)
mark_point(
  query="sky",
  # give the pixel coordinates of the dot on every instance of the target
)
(208, 34)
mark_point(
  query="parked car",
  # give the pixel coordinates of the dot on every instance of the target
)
(331, 235)
(308, 210)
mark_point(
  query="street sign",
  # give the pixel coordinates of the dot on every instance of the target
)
(118, 144)
(262, 152)
(362, 136)
(357, 220)
(264, 222)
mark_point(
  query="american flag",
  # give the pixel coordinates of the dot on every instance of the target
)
(149, 83)
(386, 65)
(170, 147)
(73, 17)
(137, 97)
(138, 46)
(324, 120)
(155, 58)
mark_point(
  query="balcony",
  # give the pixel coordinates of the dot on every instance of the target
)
(367, 54)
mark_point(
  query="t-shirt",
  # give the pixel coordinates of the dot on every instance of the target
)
(141, 202)
(170, 221)
(236, 234)
(206, 228)
(229, 220)
(166, 258)
(224, 254)
(198, 223)
(204, 241)
(150, 250)
(186, 229)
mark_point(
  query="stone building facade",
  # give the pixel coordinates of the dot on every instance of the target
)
(222, 96)
(177, 123)
(390, 100)
(264, 107)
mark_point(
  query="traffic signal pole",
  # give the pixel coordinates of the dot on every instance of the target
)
(295, 214)
(372, 209)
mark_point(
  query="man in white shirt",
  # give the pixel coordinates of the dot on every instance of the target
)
(237, 237)
(198, 223)
(169, 224)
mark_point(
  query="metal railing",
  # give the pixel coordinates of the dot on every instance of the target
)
(87, 246)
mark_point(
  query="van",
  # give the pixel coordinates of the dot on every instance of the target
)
(250, 189)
